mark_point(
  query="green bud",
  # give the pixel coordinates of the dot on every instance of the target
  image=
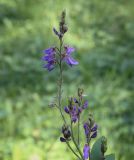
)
(62, 26)
(103, 145)
(70, 102)
(80, 92)
(91, 120)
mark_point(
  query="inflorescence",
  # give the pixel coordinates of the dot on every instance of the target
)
(54, 57)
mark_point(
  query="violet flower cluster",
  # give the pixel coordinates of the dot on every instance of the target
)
(51, 57)
(54, 57)
(74, 110)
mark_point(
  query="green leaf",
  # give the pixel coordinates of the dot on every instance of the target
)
(110, 157)
(96, 150)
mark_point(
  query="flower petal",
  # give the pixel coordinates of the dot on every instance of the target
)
(79, 110)
(94, 128)
(75, 100)
(86, 150)
(56, 32)
(86, 128)
(48, 57)
(66, 109)
(70, 61)
(69, 50)
(49, 66)
(85, 105)
(74, 114)
(49, 50)
(94, 135)
(62, 139)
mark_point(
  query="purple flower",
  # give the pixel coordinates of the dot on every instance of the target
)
(50, 58)
(75, 100)
(86, 151)
(67, 57)
(86, 128)
(62, 139)
(94, 135)
(69, 50)
(50, 66)
(66, 109)
(66, 134)
(56, 32)
(85, 105)
(74, 114)
(79, 110)
(90, 132)
(94, 128)
(73, 111)
(49, 50)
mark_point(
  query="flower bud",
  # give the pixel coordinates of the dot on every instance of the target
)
(91, 120)
(63, 15)
(64, 127)
(70, 103)
(56, 32)
(65, 28)
(62, 26)
(80, 92)
(94, 135)
(66, 132)
(103, 145)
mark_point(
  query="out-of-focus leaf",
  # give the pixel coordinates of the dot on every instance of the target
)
(96, 150)
(110, 157)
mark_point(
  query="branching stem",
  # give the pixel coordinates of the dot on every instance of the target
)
(72, 150)
(73, 139)
(60, 106)
(60, 83)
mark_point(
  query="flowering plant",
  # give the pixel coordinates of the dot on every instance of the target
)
(55, 57)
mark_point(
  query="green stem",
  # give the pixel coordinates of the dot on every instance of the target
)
(60, 100)
(76, 143)
(60, 83)
(79, 131)
(79, 104)
(72, 150)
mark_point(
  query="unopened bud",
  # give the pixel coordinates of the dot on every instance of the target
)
(80, 92)
(56, 32)
(66, 132)
(62, 25)
(70, 103)
(91, 120)
(103, 145)
(63, 15)
(65, 28)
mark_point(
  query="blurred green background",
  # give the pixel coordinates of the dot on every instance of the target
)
(102, 31)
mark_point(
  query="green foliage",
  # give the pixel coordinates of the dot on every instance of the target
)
(102, 32)
(96, 153)
(110, 157)
(96, 150)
